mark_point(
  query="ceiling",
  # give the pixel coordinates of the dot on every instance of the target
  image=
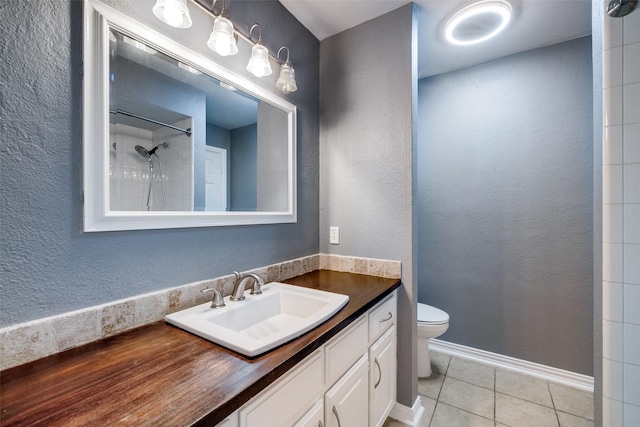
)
(535, 23)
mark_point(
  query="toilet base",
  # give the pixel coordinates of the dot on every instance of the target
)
(424, 360)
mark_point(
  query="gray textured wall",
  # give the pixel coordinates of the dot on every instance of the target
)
(47, 264)
(368, 83)
(506, 207)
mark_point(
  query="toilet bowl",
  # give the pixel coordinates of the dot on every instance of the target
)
(432, 322)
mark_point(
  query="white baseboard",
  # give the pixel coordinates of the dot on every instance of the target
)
(547, 373)
(409, 416)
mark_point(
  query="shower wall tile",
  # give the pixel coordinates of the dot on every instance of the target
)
(612, 217)
(631, 178)
(612, 262)
(621, 324)
(631, 103)
(631, 415)
(612, 74)
(631, 303)
(631, 264)
(632, 384)
(612, 301)
(631, 336)
(612, 189)
(613, 106)
(613, 144)
(612, 412)
(632, 224)
(631, 63)
(612, 379)
(612, 341)
(631, 25)
(631, 143)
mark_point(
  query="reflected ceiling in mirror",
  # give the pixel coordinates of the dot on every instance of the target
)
(174, 140)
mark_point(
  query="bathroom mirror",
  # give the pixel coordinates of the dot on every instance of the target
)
(172, 139)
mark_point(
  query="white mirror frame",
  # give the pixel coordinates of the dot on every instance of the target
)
(98, 18)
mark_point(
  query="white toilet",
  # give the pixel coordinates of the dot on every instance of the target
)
(432, 322)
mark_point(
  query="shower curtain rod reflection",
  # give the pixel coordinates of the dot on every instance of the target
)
(126, 113)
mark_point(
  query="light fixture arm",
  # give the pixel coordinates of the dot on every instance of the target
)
(223, 11)
(278, 56)
(259, 33)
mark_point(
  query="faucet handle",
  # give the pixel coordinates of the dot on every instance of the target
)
(257, 284)
(217, 300)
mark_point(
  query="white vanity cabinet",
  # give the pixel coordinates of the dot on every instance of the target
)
(348, 382)
(346, 403)
(382, 378)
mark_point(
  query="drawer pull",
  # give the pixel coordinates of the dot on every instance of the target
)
(335, 412)
(375, 360)
(320, 424)
(389, 316)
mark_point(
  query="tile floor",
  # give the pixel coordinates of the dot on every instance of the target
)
(461, 393)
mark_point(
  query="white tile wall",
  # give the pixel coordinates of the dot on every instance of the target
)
(130, 173)
(612, 301)
(621, 221)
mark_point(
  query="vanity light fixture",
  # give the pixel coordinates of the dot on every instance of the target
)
(287, 78)
(259, 64)
(222, 39)
(478, 22)
(173, 12)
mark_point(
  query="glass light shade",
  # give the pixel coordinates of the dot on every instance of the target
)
(478, 22)
(222, 40)
(287, 79)
(173, 12)
(259, 64)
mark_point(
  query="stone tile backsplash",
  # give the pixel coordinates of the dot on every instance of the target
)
(33, 340)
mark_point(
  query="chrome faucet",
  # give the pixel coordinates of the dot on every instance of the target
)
(241, 280)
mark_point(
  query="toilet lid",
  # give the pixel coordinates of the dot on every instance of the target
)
(428, 314)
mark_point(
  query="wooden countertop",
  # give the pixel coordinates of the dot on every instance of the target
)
(159, 375)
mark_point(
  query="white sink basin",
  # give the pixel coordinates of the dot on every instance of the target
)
(261, 322)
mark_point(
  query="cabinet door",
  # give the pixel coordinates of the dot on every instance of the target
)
(314, 417)
(346, 403)
(382, 378)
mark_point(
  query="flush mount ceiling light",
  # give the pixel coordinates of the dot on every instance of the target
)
(478, 22)
(173, 12)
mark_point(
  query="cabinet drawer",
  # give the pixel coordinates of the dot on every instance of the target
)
(382, 317)
(343, 350)
(282, 403)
